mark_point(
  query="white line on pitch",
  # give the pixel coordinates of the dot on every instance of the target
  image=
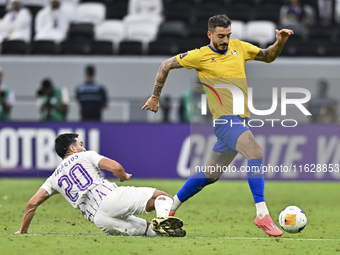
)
(195, 237)
(277, 238)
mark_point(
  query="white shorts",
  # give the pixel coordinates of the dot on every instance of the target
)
(115, 213)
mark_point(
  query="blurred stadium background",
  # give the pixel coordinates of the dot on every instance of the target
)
(127, 53)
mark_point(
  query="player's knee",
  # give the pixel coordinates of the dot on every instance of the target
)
(213, 176)
(258, 153)
(213, 179)
(158, 193)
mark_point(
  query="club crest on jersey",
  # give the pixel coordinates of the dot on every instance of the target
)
(183, 55)
(234, 53)
(212, 60)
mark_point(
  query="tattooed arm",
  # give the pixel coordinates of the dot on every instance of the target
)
(273, 51)
(153, 102)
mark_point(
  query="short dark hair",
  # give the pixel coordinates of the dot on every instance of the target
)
(63, 142)
(47, 83)
(90, 70)
(220, 20)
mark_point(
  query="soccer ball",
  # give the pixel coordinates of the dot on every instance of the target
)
(292, 219)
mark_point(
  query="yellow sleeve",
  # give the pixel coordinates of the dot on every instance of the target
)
(190, 59)
(250, 51)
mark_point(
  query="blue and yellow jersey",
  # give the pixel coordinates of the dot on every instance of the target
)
(216, 68)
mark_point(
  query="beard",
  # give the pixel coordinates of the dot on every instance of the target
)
(218, 49)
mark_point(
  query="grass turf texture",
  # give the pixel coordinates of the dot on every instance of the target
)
(219, 220)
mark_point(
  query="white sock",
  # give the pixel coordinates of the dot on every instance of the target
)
(261, 210)
(176, 204)
(150, 232)
(162, 205)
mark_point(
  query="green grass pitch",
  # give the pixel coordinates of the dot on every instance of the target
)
(219, 220)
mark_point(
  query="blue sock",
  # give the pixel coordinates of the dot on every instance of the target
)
(256, 179)
(192, 186)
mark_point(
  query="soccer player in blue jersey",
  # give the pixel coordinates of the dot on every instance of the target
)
(228, 67)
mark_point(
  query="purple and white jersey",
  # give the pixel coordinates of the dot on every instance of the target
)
(79, 180)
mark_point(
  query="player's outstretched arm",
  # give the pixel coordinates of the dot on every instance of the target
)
(39, 197)
(115, 168)
(273, 51)
(152, 103)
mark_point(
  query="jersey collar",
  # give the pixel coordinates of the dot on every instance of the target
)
(217, 51)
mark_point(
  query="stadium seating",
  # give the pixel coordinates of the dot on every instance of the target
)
(90, 12)
(44, 47)
(238, 30)
(34, 9)
(34, 2)
(280, 2)
(207, 9)
(102, 48)
(214, 2)
(336, 33)
(184, 27)
(269, 10)
(162, 48)
(240, 10)
(170, 34)
(69, 8)
(106, 2)
(144, 31)
(130, 48)
(110, 30)
(199, 29)
(310, 49)
(290, 47)
(321, 33)
(14, 47)
(191, 3)
(2, 11)
(80, 39)
(82, 30)
(117, 10)
(180, 10)
(261, 33)
(331, 49)
(173, 29)
(76, 47)
(192, 43)
(71, 1)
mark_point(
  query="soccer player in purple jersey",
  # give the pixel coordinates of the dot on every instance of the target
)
(79, 180)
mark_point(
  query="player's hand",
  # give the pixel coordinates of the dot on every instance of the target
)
(152, 104)
(283, 35)
(125, 177)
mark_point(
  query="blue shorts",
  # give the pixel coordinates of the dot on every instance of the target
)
(228, 132)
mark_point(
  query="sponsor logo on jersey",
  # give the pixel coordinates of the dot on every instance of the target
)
(183, 55)
(213, 60)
